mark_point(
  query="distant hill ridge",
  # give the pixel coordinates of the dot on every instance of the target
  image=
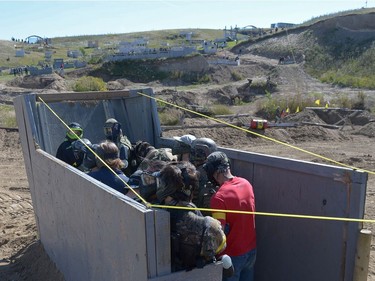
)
(337, 49)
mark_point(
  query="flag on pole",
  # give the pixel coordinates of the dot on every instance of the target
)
(297, 110)
(327, 105)
(287, 110)
(317, 102)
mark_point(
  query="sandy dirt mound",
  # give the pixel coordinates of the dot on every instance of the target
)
(367, 130)
(21, 256)
(45, 81)
(32, 263)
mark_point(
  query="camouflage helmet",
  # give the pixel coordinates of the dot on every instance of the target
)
(199, 237)
(216, 161)
(163, 154)
(178, 180)
(214, 239)
(201, 148)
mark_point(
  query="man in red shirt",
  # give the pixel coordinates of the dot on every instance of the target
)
(234, 193)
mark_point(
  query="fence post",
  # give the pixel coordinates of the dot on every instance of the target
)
(362, 255)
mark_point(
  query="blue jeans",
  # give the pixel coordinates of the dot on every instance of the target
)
(243, 267)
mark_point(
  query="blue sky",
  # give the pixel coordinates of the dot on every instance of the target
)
(20, 19)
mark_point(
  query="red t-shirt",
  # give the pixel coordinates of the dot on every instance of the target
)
(236, 194)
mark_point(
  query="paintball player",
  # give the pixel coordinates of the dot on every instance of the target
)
(108, 152)
(145, 152)
(65, 151)
(113, 132)
(234, 193)
(89, 159)
(195, 240)
(148, 160)
(182, 147)
(139, 153)
(146, 179)
(200, 149)
(80, 151)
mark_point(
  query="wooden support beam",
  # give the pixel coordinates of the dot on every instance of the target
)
(321, 125)
(168, 128)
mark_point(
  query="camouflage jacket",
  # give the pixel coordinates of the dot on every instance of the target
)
(195, 239)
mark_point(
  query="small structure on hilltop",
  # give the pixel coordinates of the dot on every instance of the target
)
(48, 55)
(187, 34)
(74, 53)
(282, 25)
(36, 39)
(209, 47)
(93, 44)
(138, 49)
(231, 34)
(20, 53)
(58, 63)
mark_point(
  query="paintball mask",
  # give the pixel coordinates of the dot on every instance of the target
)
(80, 147)
(148, 178)
(77, 129)
(146, 182)
(182, 144)
(89, 161)
(200, 149)
(149, 185)
(112, 130)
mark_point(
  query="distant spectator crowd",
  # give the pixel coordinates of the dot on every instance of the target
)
(19, 71)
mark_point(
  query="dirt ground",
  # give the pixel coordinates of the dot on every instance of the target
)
(22, 256)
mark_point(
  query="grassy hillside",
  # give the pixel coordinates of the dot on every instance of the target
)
(337, 49)
(342, 50)
(339, 14)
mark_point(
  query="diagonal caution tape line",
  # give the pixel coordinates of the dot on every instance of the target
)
(92, 151)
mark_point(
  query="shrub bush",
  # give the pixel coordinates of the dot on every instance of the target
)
(7, 116)
(89, 83)
(267, 108)
(220, 109)
(138, 71)
(170, 116)
(236, 76)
